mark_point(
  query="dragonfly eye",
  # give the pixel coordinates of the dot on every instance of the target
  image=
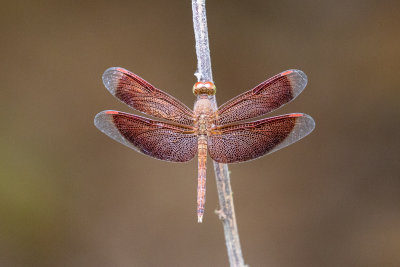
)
(204, 88)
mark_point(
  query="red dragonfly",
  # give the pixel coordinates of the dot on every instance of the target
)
(205, 128)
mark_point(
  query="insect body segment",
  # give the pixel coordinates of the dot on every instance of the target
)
(204, 111)
(205, 129)
(201, 180)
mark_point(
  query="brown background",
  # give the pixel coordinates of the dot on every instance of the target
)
(70, 196)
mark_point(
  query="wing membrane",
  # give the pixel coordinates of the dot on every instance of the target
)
(161, 140)
(247, 141)
(264, 98)
(144, 97)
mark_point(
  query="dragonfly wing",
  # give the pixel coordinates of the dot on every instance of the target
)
(247, 141)
(264, 98)
(161, 140)
(144, 97)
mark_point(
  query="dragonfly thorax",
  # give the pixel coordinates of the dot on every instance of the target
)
(203, 107)
(204, 114)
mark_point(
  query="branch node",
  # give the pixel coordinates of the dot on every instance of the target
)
(221, 214)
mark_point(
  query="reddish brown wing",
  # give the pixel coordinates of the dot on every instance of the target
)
(142, 96)
(242, 142)
(165, 141)
(264, 98)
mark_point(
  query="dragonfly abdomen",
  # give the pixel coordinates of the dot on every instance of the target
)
(201, 181)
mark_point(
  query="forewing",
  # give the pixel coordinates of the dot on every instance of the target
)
(247, 141)
(144, 97)
(264, 98)
(161, 140)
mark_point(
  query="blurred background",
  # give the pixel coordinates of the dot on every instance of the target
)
(71, 196)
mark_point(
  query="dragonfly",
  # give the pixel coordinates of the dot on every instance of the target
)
(222, 132)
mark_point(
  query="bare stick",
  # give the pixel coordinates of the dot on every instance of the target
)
(204, 73)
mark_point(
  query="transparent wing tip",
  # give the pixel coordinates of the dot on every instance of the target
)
(298, 80)
(111, 78)
(304, 125)
(104, 122)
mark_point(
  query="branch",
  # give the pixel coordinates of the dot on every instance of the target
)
(204, 73)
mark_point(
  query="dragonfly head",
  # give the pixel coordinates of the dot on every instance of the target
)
(204, 88)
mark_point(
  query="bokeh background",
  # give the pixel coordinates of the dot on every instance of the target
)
(70, 196)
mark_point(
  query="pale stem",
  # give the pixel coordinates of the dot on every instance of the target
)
(204, 73)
